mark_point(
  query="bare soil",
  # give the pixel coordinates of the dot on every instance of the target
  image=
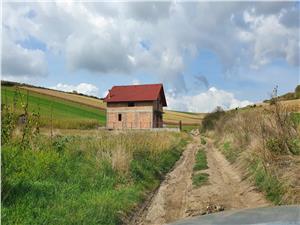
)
(177, 198)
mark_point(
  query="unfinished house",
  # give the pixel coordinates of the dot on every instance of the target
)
(135, 106)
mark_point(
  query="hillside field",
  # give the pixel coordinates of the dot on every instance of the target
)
(65, 113)
(70, 110)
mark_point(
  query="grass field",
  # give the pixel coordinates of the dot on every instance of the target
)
(65, 113)
(83, 100)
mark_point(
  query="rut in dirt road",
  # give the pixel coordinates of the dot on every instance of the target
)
(177, 198)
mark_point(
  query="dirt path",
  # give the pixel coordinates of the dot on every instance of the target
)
(176, 198)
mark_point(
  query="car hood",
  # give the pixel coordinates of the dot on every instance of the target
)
(267, 215)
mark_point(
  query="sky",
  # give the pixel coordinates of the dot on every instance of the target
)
(206, 54)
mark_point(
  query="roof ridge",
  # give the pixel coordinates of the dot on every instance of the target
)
(131, 85)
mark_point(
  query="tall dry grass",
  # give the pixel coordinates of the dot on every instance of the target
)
(265, 142)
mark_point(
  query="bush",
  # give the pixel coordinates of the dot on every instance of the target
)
(210, 119)
(297, 92)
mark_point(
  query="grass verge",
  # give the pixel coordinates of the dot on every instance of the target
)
(83, 180)
(267, 182)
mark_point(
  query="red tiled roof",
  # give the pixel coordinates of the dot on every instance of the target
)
(136, 93)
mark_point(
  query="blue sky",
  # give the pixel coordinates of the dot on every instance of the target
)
(206, 54)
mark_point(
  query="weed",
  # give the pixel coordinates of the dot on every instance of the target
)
(230, 153)
(267, 182)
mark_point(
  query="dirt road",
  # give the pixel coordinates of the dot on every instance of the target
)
(177, 198)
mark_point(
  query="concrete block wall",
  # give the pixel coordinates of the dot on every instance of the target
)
(138, 116)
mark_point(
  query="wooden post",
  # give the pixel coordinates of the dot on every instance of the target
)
(180, 125)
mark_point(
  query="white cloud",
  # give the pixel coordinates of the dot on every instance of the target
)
(21, 62)
(84, 88)
(205, 101)
(135, 82)
(105, 38)
(270, 39)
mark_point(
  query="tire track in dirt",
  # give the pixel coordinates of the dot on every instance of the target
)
(176, 198)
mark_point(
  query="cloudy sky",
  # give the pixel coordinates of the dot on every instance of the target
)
(225, 54)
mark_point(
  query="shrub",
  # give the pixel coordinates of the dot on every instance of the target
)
(210, 119)
(297, 92)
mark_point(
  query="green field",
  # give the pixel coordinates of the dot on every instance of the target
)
(65, 114)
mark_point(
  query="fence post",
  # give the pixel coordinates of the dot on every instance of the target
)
(180, 125)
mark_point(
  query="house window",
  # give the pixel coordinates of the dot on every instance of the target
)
(120, 117)
(130, 104)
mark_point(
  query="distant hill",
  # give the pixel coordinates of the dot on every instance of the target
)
(289, 96)
(73, 110)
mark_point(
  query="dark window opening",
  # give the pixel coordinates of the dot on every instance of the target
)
(130, 104)
(120, 117)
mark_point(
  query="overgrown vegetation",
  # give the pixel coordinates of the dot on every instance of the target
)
(209, 120)
(95, 179)
(267, 182)
(266, 142)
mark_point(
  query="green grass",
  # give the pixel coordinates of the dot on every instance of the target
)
(230, 153)
(72, 181)
(295, 118)
(63, 111)
(267, 182)
(185, 128)
(203, 141)
(201, 161)
(200, 179)
(200, 164)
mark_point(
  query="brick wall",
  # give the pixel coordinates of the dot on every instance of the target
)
(138, 116)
